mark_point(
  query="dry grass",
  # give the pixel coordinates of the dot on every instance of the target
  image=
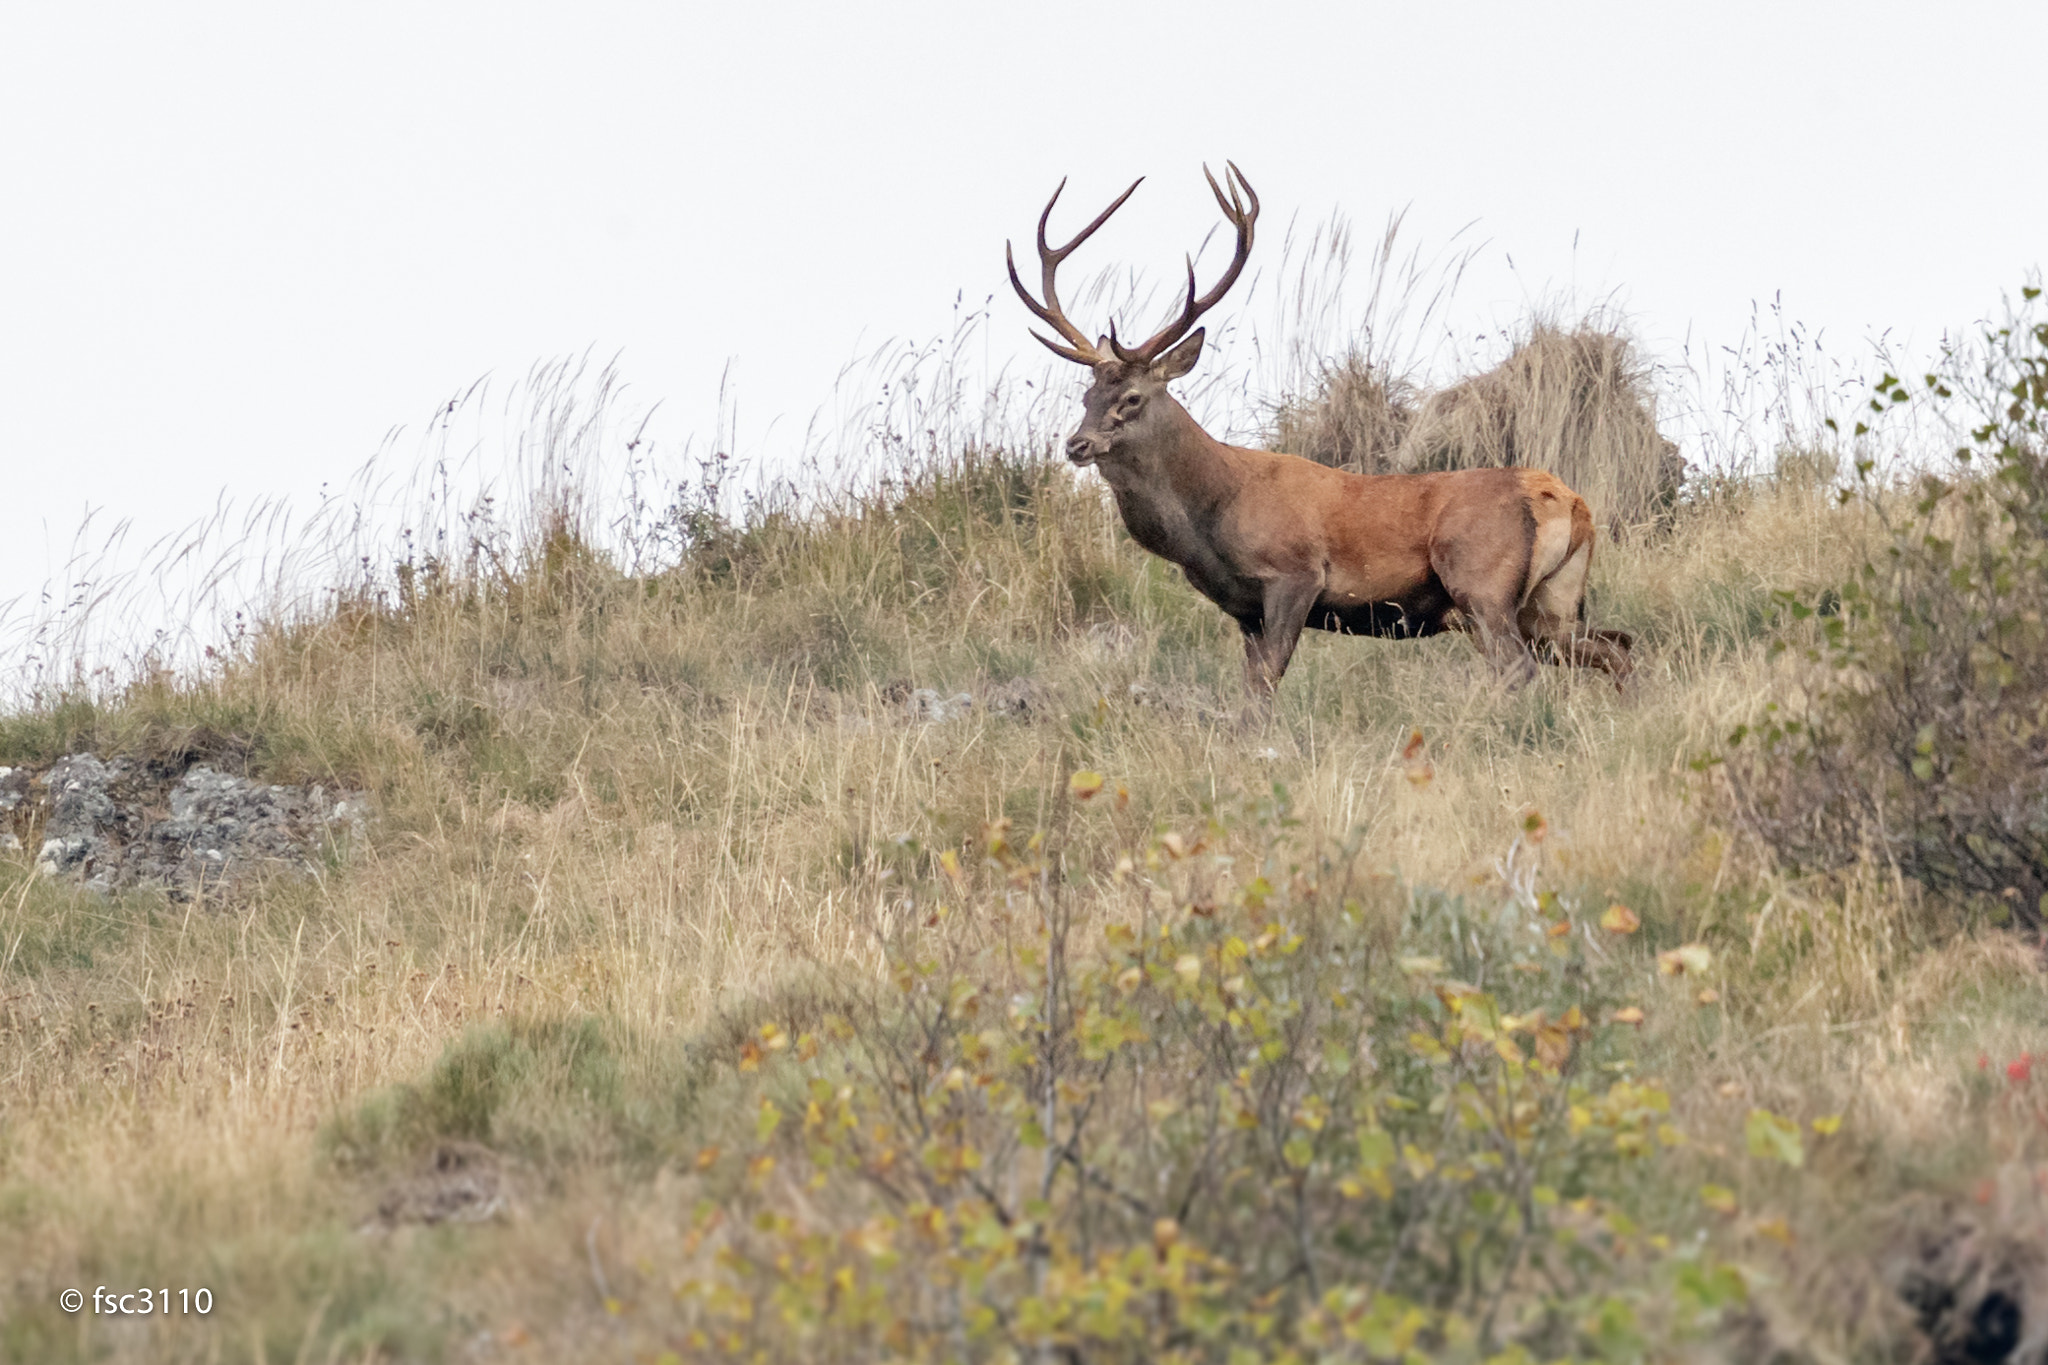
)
(637, 808)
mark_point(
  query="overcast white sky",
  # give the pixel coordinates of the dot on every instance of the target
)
(240, 243)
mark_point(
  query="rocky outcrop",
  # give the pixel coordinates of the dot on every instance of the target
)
(116, 823)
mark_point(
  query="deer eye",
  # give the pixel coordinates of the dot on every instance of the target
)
(1130, 402)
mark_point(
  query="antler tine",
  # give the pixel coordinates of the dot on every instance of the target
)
(1082, 351)
(1242, 215)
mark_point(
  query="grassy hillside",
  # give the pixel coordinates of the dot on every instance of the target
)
(652, 854)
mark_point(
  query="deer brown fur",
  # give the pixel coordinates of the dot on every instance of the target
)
(1282, 544)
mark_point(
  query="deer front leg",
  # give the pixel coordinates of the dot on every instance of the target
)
(1269, 646)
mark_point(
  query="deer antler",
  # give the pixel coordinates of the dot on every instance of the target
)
(1242, 214)
(1082, 351)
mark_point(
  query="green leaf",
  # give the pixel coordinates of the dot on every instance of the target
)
(1773, 1137)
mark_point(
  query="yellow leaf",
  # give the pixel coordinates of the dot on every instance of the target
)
(1422, 966)
(949, 863)
(873, 1237)
(1628, 1014)
(1693, 957)
(1084, 784)
(1426, 1047)
(1769, 1135)
(1188, 968)
(1128, 979)
(1828, 1126)
(1719, 1198)
(1559, 929)
(1619, 919)
(1777, 1229)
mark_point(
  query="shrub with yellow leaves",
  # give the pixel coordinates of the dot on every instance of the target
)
(1254, 1126)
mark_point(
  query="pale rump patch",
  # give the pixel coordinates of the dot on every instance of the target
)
(1552, 607)
(1548, 552)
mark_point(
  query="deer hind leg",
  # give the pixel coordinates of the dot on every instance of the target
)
(1552, 616)
(1606, 650)
(1483, 606)
(1489, 619)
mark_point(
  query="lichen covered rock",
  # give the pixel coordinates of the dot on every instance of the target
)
(115, 823)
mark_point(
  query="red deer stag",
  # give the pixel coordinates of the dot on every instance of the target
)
(1281, 543)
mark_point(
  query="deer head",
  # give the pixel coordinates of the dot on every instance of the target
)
(1127, 406)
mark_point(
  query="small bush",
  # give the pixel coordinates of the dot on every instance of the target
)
(1277, 1115)
(1921, 738)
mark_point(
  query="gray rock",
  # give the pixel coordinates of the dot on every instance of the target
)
(14, 794)
(59, 856)
(928, 706)
(1018, 699)
(113, 824)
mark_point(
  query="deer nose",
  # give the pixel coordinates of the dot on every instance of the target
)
(1078, 447)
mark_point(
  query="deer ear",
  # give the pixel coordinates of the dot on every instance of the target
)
(1181, 358)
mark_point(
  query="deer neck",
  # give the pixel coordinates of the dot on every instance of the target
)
(1172, 486)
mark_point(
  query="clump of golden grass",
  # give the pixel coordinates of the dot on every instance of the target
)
(625, 815)
(1355, 416)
